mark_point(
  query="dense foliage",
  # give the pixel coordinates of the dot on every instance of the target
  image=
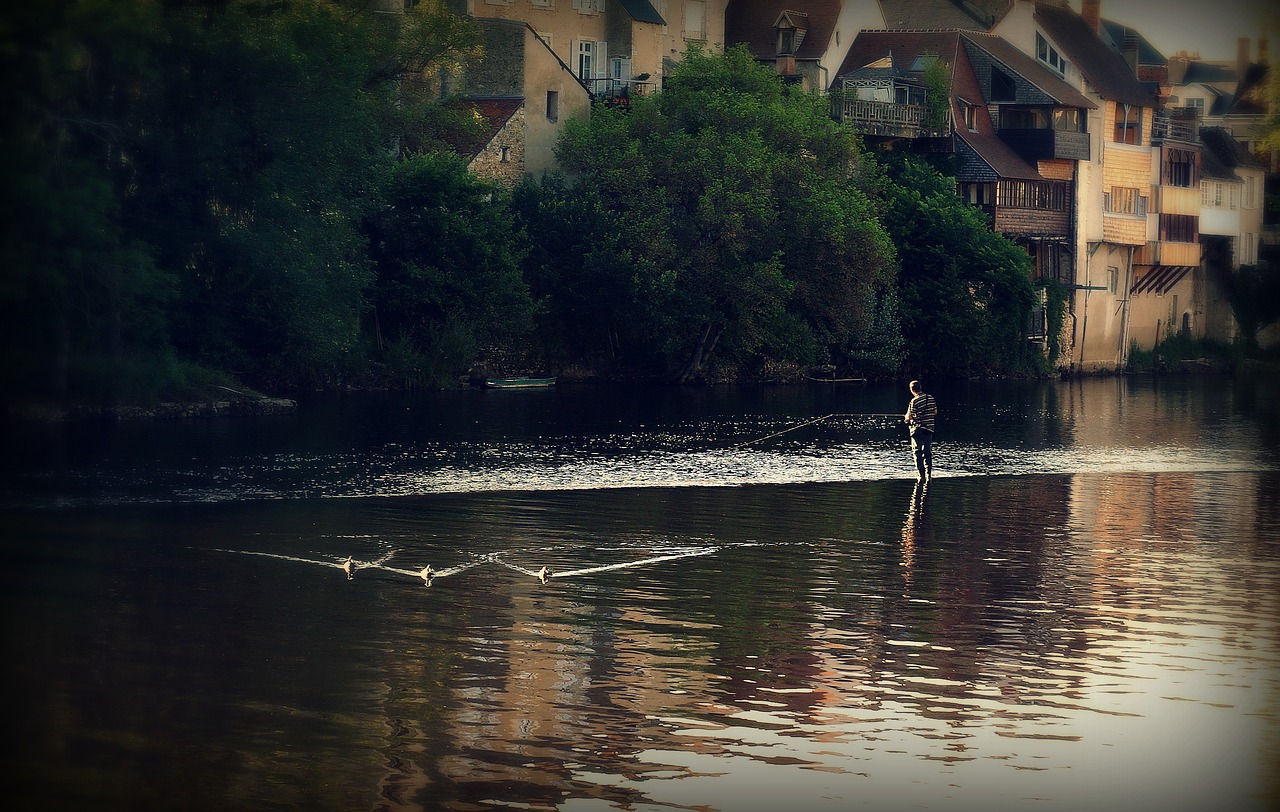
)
(199, 192)
(738, 207)
(188, 180)
(965, 291)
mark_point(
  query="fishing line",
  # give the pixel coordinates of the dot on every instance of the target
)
(810, 423)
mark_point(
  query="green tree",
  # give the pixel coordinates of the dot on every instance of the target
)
(187, 180)
(448, 260)
(965, 291)
(738, 207)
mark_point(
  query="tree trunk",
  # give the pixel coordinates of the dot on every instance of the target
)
(705, 345)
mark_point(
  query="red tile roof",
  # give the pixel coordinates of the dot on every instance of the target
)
(493, 114)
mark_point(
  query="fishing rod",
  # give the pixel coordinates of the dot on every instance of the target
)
(810, 423)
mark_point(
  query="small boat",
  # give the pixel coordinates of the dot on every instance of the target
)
(519, 383)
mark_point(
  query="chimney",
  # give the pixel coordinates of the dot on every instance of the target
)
(1091, 11)
(1242, 58)
(1178, 66)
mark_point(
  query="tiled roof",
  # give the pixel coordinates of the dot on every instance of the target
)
(1244, 101)
(493, 114)
(642, 11)
(941, 14)
(1114, 34)
(1031, 70)
(1104, 69)
(1201, 72)
(751, 22)
(1212, 167)
(1227, 149)
(905, 46)
(998, 155)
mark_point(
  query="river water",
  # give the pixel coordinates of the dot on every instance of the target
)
(749, 602)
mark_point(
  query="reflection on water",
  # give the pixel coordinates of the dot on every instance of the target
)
(1106, 639)
(587, 438)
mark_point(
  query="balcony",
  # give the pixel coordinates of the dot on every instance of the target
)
(620, 92)
(1177, 200)
(1163, 252)
(1042, 144)
(887, 118)
(1178, 126)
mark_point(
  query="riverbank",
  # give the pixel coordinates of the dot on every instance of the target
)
(47, 412)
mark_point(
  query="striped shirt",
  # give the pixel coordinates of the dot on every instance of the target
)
(922, 412)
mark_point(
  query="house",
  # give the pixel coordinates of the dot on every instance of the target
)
(1226, 94)
(616, 48)
(522, 94)
(1230, 223)
(804, 40)
(1016, 130)
(1114, 215)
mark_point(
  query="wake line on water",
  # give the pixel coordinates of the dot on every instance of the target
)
(428, 574)
(555, 469)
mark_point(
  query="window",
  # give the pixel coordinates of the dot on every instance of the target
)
(1068, 119)
(590, 61)
(976, 194)
(1128, 124)
(1124, 200)
(1049, 55)
(553, 105)
(1023, 118)
(1250, 199)
(588, 6)
(1179, 228)
(544, 3)
(1194, 104)
(695, 20)
(970, 116)
(504, 154)
(1031, 194)
(1249, 249)
(1003, 88)
(1113, 278)
(787, 41)
(1180, 168)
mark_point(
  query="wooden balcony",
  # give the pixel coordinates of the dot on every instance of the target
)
(887, 118)
(1044, 144)
(1177, 200)
(1162, 252)
(1019, 222)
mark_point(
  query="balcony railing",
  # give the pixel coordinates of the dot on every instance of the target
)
(619, 91)
(1034, 145)
(1179, 127)
(887, 118)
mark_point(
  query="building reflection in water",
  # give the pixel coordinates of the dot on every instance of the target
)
(984, 634)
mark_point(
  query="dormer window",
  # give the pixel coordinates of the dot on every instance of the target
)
(790, 27)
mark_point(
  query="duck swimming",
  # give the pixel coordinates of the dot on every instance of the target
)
(349, 566)
(427, 573)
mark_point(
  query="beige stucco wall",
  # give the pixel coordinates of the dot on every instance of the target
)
(1100, 314)
(545, 73)
(1155, 317)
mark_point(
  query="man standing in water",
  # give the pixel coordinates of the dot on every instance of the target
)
(921, 414)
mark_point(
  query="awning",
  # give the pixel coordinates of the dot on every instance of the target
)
(1160, 279)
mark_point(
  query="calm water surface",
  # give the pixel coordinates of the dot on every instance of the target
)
(743, 612)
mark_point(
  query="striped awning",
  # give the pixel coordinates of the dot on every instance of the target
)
(1160, 279)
